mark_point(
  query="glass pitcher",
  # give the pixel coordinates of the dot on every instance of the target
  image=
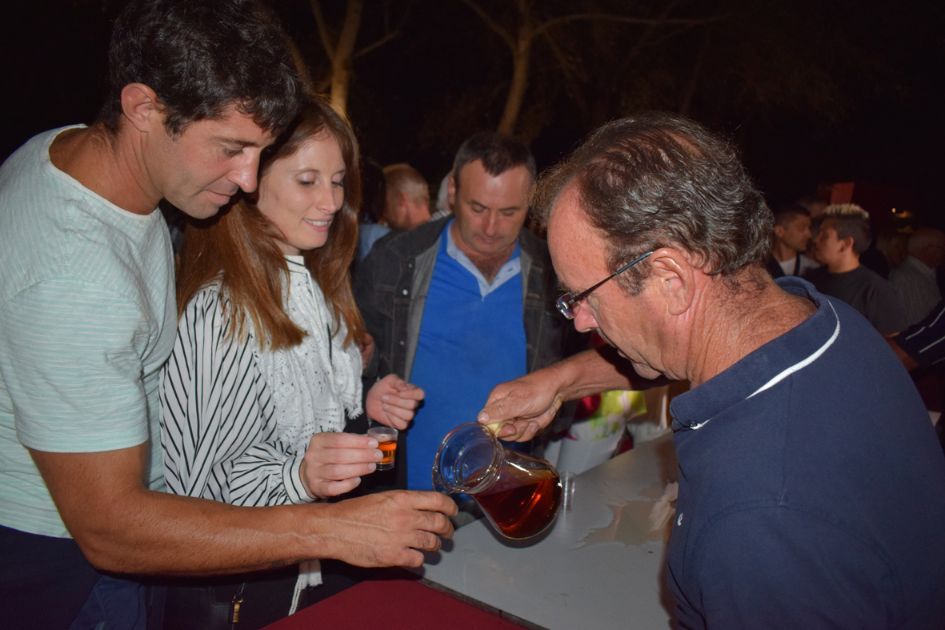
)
(519, 494)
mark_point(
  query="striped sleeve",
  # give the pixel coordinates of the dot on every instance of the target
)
(218, 428)
(925, 341)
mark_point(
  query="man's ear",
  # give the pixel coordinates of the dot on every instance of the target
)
(675, 277)
(140, 106)
(847, 244)
(779, 231)
(451, 192)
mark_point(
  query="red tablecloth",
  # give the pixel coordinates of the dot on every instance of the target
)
(394, 604)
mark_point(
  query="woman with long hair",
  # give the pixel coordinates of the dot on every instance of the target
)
(266, 369)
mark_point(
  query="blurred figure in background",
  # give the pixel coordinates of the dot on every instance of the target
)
(407, 197)
(442, 207)
(843, 235)
(370, 226)
(406, 204)
(791, 236)
(915, 279)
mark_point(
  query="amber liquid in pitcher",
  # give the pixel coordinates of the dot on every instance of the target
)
(524, 504)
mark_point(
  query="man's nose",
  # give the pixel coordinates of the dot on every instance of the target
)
(584, 320)
(492, 222)
(245, 175)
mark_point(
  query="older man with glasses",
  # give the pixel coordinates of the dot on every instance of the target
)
(811, 487)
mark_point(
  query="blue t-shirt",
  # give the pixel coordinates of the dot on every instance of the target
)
(472, 336)
(811, 489)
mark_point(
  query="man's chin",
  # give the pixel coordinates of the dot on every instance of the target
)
(642, 370)
(202, 210)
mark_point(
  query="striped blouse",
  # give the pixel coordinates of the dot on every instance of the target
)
(236, 420)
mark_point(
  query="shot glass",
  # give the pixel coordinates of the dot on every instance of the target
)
(386, 441)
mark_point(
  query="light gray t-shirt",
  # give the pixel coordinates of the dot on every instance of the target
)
(87, 319)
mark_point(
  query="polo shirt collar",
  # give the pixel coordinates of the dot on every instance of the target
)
(511, 268)
(764, 368)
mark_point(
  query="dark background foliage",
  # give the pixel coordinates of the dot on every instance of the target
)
(812, 92)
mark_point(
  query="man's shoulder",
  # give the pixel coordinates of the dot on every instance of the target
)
(409, 243)
(872, 279)
(532, 242)
(910, 269)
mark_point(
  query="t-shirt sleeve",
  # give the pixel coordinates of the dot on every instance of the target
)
(70, 356)
(780, 568)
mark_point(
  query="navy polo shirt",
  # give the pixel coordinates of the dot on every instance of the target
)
(811, 486)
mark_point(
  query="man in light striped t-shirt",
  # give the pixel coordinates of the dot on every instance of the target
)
(87, 318)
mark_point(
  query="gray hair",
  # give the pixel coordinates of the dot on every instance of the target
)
(654, 180)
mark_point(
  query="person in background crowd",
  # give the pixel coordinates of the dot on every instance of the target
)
(407, 203)
(442, 206)
(921, 348)
(266, 369)
(460, 303)
(658, 234)
(197, 90)
(892, 245)
(791, 236)
(374, 197)
(814, 205)
(843, 234)
(914, 279)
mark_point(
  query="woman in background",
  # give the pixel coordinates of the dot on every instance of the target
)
(266, 369)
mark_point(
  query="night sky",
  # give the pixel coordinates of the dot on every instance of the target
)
(812, 92)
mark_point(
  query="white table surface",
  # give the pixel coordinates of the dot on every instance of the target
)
(599, 567)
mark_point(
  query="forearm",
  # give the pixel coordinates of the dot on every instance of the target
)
(161, 533)
(121, 526)
(586, 373)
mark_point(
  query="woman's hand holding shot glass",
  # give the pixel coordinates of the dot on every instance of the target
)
(335, 462)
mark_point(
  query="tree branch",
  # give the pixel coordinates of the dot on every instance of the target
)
(504, 35)
(377, 44)
(609, 17)
(322, 28)
(390, 32)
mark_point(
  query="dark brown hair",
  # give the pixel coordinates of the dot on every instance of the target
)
(237, 247)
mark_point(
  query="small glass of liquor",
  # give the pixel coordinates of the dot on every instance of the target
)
(386, 441)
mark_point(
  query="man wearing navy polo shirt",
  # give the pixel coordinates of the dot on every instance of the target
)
(811, 486)
(466, 301)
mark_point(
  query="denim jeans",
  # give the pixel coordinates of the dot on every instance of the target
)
(114, 604)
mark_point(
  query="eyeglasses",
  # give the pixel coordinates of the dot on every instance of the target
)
(569, 300)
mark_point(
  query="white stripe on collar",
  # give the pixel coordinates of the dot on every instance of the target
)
(800, 365)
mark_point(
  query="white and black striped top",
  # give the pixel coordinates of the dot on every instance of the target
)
(236, 420)
(217, 425)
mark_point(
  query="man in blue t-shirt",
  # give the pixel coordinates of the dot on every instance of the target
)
(464, 302)
(811, 486)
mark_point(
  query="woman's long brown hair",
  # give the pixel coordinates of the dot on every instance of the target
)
(237, 247)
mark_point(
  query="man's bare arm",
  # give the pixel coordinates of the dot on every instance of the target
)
(122, 526)
(528, 404)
